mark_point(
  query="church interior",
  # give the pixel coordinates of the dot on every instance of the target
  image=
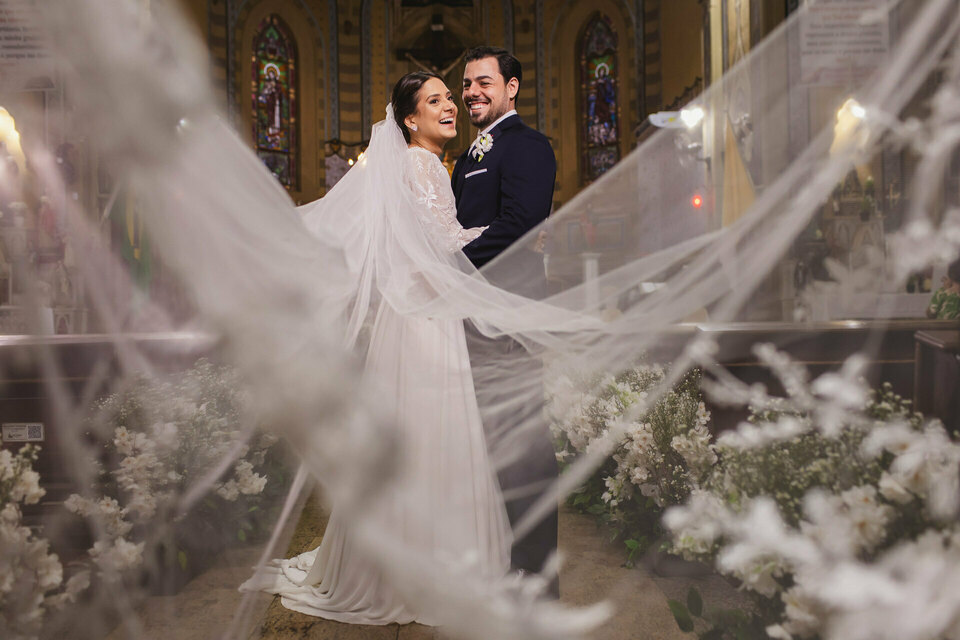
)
(303, 82)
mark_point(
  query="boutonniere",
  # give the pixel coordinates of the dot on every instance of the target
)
(484, 144)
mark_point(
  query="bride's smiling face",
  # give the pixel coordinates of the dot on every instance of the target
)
(435, 118)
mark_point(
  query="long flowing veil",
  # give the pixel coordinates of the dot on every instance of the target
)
(690, 319)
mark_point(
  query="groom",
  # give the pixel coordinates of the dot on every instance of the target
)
(504, 181)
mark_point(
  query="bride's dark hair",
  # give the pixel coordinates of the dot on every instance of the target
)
(404, 99)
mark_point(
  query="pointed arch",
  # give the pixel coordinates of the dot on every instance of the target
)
(274, 100)
(564, 27)
(600, 126)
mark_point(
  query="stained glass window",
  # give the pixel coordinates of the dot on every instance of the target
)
(600, 138)
(274, 92)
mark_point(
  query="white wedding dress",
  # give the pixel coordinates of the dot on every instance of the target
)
(448, 504)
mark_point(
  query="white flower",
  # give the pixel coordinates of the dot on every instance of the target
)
(703, 416)
(111, 515)
(695, 448)
(702, 350)
(698, 524)
(77, 583)
(895, 437)
(47, 566)
(165, 435)
(927, 464)
(78, 505)
(892, 490)
(10, 514)
(142, 503)
(847, 523)
(6, 464)
(130, 443)
(27, 488)
(482, 145)
(115, 558)
(652, 491)
(229, 490)
(868, 517)
(749, 435)
(639, 475)
(248, 482)
(777, 632)
(804, 616)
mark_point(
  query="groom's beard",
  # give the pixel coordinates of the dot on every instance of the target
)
(484, 121)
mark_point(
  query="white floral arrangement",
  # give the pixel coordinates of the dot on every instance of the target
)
(662, 455)
(835, 506)
(165, 437)
(31, 578)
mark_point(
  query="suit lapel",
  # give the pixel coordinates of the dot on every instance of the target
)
(505, 125)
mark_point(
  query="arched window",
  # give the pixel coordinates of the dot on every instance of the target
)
(600, 137)
(274, 91)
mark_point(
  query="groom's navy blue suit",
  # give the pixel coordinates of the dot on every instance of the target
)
(510, 191)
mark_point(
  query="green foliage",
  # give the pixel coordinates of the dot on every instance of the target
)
(713, 623)
(786, 471)
(694, 602)
(681, 615)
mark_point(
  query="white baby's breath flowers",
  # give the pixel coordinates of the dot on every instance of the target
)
(248, 482)
(30, 575)
(129, 443)
(614, 415)
(166, 435)
(228, 490)
(116, 557)
(27, 488)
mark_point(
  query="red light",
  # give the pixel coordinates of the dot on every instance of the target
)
(697, 202)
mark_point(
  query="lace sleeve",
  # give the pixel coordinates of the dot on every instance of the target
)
(430, 182)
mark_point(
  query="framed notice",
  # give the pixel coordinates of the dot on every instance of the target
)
(842, 41)
(23, 51)
(22, 431)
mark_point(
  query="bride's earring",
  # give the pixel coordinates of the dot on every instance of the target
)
(413, 127)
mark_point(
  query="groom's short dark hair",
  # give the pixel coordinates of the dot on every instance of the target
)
(509, 65)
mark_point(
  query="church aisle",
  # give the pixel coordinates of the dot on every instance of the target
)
(592, 570)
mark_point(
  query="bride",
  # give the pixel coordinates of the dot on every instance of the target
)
(395, 215)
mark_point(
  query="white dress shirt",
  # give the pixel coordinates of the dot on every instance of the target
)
(490, 127)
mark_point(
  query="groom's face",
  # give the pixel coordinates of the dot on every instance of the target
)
(486, 94)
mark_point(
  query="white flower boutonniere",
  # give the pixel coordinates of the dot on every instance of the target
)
(483, 144)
